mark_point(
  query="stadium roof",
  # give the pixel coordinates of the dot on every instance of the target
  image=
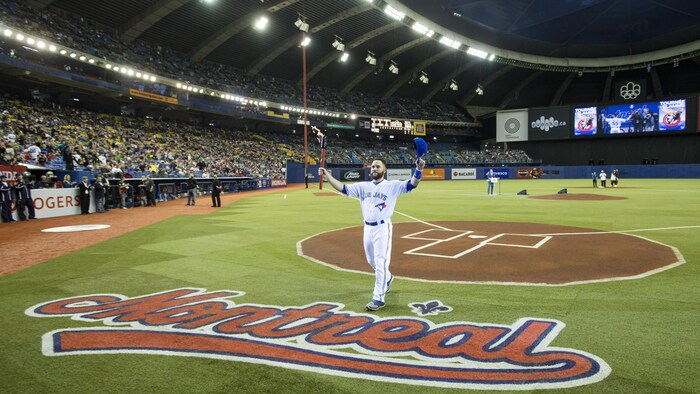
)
(545, 52)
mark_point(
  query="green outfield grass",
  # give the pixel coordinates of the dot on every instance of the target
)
(645, 329)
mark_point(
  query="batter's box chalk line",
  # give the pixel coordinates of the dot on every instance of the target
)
(421, 250)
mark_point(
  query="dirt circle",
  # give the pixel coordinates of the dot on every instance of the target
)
(516, 253)
(578, 197)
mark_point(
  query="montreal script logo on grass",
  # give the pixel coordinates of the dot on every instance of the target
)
(322, 338)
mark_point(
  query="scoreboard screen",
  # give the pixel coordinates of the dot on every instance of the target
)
(387, 126)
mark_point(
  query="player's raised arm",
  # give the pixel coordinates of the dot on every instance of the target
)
(418, 173)
(337, 185)
(421, 150)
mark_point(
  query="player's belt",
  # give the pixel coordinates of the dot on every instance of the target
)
(375, 223)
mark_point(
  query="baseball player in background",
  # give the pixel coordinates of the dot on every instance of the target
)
(378, 199)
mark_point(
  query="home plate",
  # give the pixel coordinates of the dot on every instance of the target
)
(70, 229)
(477, 236)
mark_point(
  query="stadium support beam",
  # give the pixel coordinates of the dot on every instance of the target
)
(656, 84)
(39, 4)
(516, 90)
(562, 88)
(464, 102)
(132, 29)
(224, 34)
(415, 70)
(357, 78)
(333, 54)
(607, 89)
(266, 58)
(449, 77)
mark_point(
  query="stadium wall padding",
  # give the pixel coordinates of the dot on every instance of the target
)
(295, 171)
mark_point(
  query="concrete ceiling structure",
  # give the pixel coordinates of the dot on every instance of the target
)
(545, 52)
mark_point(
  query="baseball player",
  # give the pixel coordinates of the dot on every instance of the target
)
(378, 199)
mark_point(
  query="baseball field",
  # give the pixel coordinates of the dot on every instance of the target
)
(267, 294)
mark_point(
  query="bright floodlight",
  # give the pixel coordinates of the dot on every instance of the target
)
(344, 57)
(477, 53)
(306, 41)
(261, 23)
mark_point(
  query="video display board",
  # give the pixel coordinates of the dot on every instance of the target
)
(585, 121)
(655, 116)
(549, 123)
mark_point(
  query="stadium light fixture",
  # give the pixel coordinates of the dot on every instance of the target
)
(261, 23)
(306, 41)
(424, 77)
(453, 85)
(344, 57)
(477, 52)
(450, 42)
(491, 57)
(479, 90)
(393, 68)
(19, 37)
(394, 13)
(52, 48)
(301, 24)
(338, 44)
(422, 29)
(8, 33)
(370, 58)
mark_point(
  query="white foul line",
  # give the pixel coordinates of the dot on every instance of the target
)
(620, 231)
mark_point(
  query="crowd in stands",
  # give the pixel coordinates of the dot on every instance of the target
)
(400, 153)
(87, 37)
(75, 139)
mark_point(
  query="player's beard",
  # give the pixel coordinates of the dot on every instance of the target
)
(376, 176)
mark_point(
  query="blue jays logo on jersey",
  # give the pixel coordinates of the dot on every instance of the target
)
(381, 206)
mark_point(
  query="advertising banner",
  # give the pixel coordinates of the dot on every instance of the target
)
(464, 173)
(672, 115)
(49, 203)
(512, 126)
(497, 173)
(10, 171)
(152, 96)
(523, 173)
(279, 182)
(433, 174)
(585, 121)
(357, 175)
(401, 174)
(549, 123)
